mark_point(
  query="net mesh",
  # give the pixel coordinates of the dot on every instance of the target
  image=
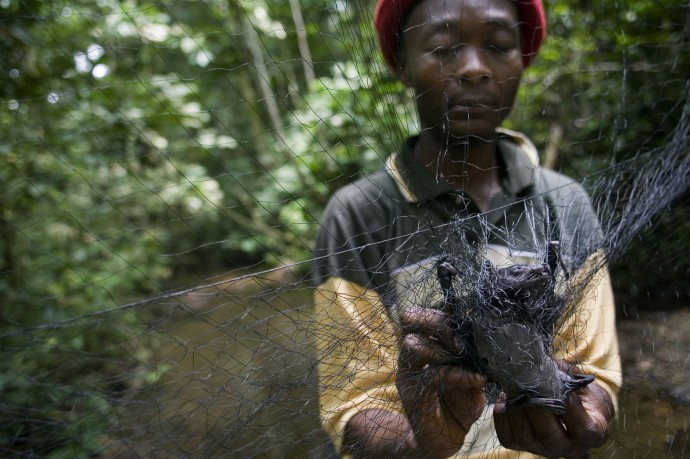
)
(166, 165)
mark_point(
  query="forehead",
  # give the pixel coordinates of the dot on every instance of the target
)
(450, 13)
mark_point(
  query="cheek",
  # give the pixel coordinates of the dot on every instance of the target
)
(420, 75)
(428, 87)
(509, 89)
(508, 80)
(431, 102)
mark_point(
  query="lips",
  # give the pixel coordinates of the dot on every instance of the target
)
(472, 111)
(468, 105)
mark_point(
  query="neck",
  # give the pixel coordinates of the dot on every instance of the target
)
(469, 165)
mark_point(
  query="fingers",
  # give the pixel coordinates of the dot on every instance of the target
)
(441, 398)
(418, 352)
(584, 425)
(513, 429)
(454, 379)
(587, 415)
(552, 436)
(428, 355)
(535, 430)
(423, 354)
(431, 323)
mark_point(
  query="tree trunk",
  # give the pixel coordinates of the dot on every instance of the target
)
(302, 42)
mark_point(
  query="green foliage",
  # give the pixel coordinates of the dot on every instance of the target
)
(612, 75)
(47, 411)
(95, 203)
(334, 140)
(142, 137)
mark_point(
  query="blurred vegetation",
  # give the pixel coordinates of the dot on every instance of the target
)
(609, 83)
(141, 139)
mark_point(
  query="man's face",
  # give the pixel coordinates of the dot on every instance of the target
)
(463, 60)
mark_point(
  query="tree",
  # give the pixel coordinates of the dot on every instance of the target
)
(144, 138)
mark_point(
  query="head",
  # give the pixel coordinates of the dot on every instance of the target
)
(390, 15)
(463, 58)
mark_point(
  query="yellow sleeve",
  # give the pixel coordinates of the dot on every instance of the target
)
(588, 337)
(357, 344)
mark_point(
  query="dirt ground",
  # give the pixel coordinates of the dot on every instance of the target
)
(655, 351)
(653, 417)
(654, 406)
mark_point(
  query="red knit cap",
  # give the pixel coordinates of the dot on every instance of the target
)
(389, 16)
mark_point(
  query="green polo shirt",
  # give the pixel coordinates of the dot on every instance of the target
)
(403, 214)
(375, 254)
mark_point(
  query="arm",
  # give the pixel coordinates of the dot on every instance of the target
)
(357, 349)
(384, 397)
(442, 400)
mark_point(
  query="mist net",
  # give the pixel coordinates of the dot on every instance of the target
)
(207, 239)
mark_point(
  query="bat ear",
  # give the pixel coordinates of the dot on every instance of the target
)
(489, 268)
(553, 256)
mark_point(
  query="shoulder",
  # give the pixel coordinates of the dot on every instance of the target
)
(570, 205)
(560, 189)
(369, 194)
(350, 241)
(550, 180)
(521, 159)
(360, 212)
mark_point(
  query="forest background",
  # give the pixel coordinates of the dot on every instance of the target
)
(143, 141)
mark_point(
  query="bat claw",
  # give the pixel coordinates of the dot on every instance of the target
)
(574, 382)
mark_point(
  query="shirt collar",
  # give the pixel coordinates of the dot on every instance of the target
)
(417, 184)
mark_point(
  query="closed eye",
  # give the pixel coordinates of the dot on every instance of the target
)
(501, 49)
(445, 50)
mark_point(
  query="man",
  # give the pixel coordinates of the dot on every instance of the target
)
(389, 387)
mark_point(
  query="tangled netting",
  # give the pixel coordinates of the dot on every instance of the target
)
(505, 320)
(165, 166)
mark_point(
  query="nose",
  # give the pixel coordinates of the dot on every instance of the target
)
(471, 64)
